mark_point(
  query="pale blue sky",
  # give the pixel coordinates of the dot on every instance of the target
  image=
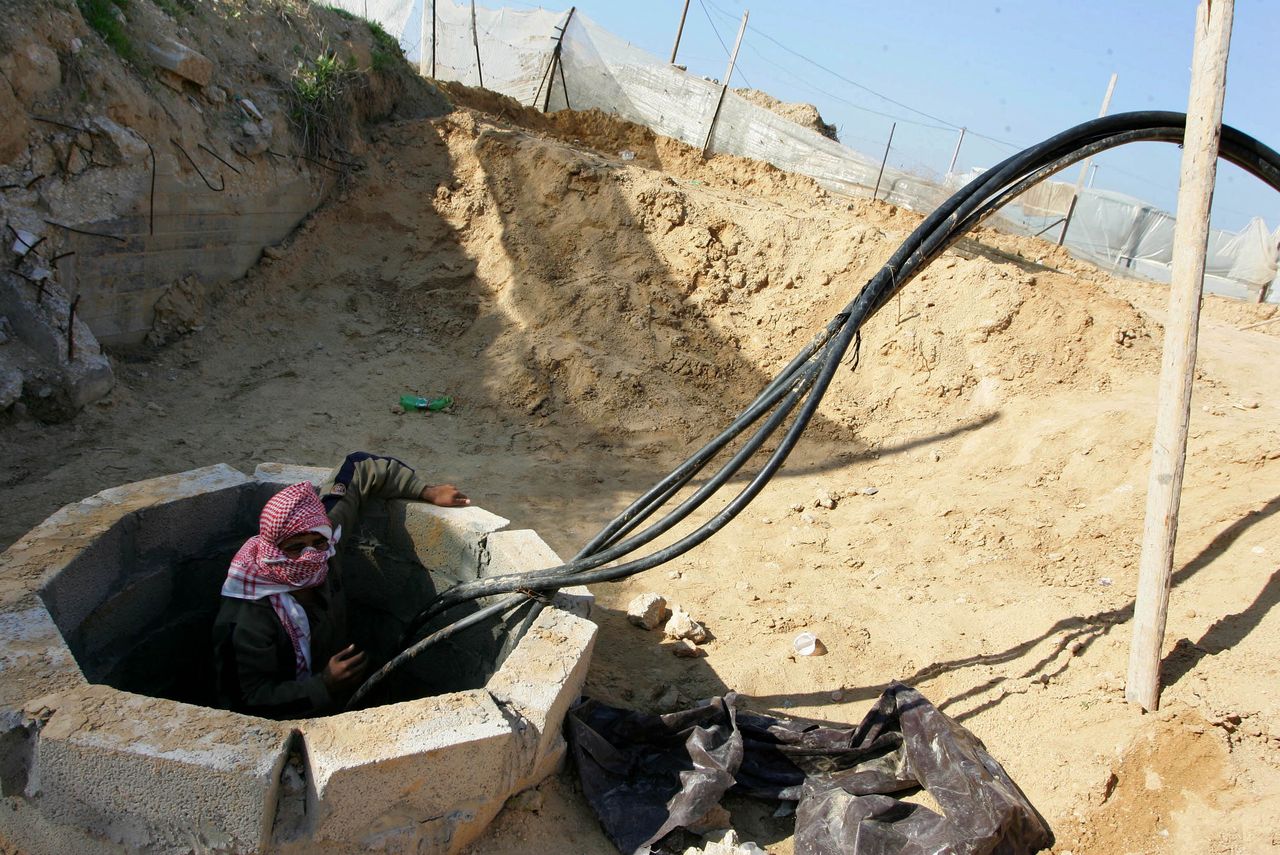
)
(1016, 71)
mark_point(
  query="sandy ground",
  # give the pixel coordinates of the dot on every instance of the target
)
(596, 319)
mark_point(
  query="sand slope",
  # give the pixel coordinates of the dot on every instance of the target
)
(595, 319)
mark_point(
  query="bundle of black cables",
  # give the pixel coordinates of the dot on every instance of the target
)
(804, 381)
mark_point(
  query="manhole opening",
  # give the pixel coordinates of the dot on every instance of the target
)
(150, 631)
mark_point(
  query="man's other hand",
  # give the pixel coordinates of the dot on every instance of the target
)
(345, 671)
(446, 496)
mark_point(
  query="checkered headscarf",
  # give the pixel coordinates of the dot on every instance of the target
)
(260, 569)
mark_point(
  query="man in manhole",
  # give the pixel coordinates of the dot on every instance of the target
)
(281, 641)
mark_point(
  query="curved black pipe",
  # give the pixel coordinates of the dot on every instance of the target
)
(809, 373)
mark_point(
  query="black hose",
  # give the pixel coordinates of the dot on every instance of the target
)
(804, 380)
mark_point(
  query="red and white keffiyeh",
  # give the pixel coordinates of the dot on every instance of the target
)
(260, 569)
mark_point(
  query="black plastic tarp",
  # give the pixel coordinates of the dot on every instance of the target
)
(648, 775)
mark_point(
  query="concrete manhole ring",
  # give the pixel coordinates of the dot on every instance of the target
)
(86, 765)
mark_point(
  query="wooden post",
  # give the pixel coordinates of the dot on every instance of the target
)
(549, 76)
(1084, 167)
(951, 167)
(475, 40)
(883, 161)
(679, 32)
(733, 58)
(1173, 410)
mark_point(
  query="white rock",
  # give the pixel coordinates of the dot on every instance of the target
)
(127, 145)
(647, 610)
(686, 649)
(682, 625)
(183, 61)
(24, 242)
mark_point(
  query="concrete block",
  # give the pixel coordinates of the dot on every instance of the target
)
(104, 529)
(448, 541)
(421, 776)
(141, 602)
(517, 551)
(285, 474)
(168, 488)
(150, 774)
(72, 590)
(181, 60)
(34, 659)
(82, 762)
(523, 550)
(539, 681)
(187, 526)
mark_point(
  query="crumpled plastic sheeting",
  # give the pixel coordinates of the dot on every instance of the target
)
(647, 775)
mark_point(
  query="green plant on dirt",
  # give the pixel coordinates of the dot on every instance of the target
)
(386, 53)
(319, 106)
(174, 7)
(101, 15)
(340, 12)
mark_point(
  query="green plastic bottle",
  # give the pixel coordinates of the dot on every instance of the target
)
(432, 405)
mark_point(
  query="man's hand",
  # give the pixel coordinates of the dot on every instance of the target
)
(345, 671)
(446, 496)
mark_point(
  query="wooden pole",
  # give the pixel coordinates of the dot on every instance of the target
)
(1260, 323)
(1084, 167)
(1173, 410)
(475, 40)
(549, 76)
(951, 167)
(883, 161)
(679, 31)
(733, 58)
(737, 43)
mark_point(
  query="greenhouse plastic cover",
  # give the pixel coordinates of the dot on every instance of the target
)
(599, 70)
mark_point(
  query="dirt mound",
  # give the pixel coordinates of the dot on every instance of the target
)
(804, 115)
(964, 514)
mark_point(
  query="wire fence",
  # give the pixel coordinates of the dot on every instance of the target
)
(597, 69)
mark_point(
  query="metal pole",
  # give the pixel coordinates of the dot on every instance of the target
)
(951, 167)
(1084, 167)
(883, 161)
(475, 39)
(679, 31)
(1092, 174)
(1178, 366)
(433, 39)
(724, 87)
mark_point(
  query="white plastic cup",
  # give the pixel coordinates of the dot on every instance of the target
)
(808, 644)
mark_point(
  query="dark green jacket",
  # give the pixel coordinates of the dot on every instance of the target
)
(253, 654)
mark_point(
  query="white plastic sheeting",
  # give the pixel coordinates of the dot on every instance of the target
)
(1125, 234)
(602, 71)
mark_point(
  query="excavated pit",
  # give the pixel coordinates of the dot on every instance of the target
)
(106, 682)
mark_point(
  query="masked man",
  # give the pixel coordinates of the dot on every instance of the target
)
(280, 638)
